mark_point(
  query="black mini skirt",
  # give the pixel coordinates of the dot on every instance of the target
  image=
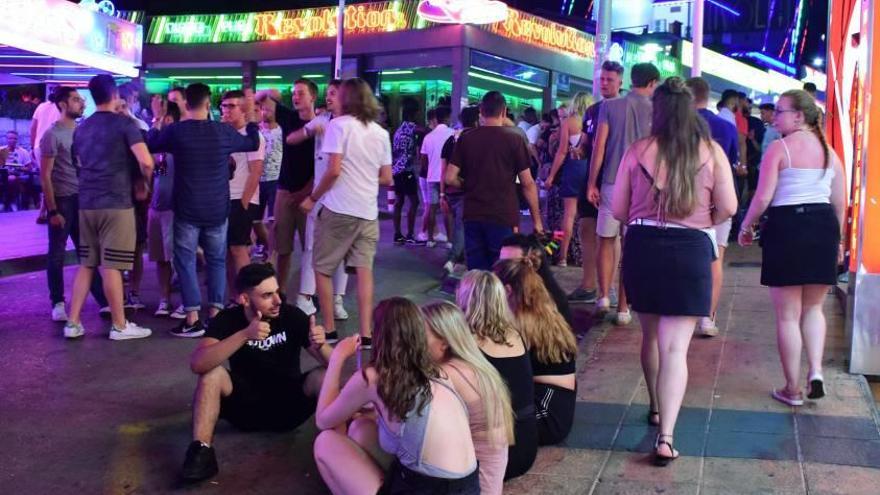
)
(800, 245)
(668, 271)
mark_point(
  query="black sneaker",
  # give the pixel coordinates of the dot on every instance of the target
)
(366, 343)
(411, 241)
(581, 295)
(197, 329)
(399, 239)
(200, 463)
(332, 337)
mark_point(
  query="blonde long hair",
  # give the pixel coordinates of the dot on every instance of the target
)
(543, 327)
(580, 102)
(448, 322)
(481, 296)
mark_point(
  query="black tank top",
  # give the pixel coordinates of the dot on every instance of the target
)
(566, 367)
(517, 372)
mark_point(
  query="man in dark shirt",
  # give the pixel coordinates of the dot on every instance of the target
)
(113, 160)
(264, 388)
(486, 163)
(297, 173)
(201, 150)
(725, 134)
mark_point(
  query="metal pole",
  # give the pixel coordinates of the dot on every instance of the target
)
(697, 35)
(603, 42)
(340, 32)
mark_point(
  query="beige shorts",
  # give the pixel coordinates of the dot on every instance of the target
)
(606, 225)
(160, 235)
(344, 238)
(722, 232)
(289, 219)
(107, 238)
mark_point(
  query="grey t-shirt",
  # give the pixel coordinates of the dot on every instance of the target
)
(163, 184)
(628, 119)
(56, 143)
(102, 146)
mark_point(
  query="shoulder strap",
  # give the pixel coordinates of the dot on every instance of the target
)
(787, 154)
(463, 377)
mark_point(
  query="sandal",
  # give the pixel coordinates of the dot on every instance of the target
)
(651, 418)
(817, 387)
(660, 459)
(782, 396)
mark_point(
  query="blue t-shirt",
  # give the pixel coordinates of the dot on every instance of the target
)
(102, 145)
(724, 133)
(201, 150)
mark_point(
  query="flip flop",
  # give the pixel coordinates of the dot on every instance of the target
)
(783, 397)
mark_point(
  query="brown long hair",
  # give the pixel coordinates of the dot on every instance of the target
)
(358, 100)
(678, 131)
(400, 357)
(542, 326)
(806, 104)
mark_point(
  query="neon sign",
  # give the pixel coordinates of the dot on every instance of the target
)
(538, 31)
(462, 11)
(64, 30)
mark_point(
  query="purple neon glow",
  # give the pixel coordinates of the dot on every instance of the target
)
(769, 16)
(716, 3)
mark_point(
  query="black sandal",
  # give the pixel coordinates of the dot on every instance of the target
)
(651, 420)
(663, 460)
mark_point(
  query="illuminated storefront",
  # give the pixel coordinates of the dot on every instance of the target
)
(58, 42)
(533, 61)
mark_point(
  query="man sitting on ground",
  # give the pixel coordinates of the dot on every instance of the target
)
(264, 387)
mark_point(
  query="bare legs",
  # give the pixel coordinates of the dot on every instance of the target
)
(163, 272)
(587, 234)
(717, 280)
(324, 286)
(206, 402)
(800, 323)
(365, 300)
(411, 213)
(112, 290)
(347, 463)
(650, 355)
(238, 259)
(569, 211)
(605, 264)
(673, 338)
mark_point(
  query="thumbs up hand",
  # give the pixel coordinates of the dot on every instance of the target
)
(317, 335)
(258, 329)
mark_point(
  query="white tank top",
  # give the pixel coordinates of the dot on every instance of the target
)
(797, 186)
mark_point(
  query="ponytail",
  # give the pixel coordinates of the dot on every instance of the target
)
(821, 135)
(805, 103)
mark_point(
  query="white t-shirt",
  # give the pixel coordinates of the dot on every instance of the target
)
(524, 125)
(240, 177)
(321, 161)
(432, 146)
(533, 134)
(365, 149)
(46, 115)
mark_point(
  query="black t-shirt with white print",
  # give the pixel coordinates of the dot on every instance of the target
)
(269, 362)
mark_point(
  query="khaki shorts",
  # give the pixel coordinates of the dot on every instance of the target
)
(289, 219)
(107, 238)
(345, 238)
(606, 225)
(160, 235)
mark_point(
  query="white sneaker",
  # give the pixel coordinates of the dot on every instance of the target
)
(623, 318)
(58, 312)
(163, 309)
(179, 313)
(73, 330)
(306, 305)
(130, 331)
(449, 268)
(441, 237)
(707, 327)
(422, 237)
(430, 244)
(339, 312)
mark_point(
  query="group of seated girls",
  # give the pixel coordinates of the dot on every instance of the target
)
(455, 399)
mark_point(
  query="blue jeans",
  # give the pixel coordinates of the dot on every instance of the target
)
(456, 207)
(187, 238)
(68, 207)
(482, 243)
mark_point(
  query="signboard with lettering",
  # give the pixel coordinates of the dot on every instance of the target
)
(67, 31)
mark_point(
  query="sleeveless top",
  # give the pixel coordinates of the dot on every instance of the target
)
(408, 443)
(797, 186)
(643, 202)
(566, 367)
(517, 372)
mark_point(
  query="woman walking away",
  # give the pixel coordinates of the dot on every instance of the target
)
(552, 348)
(454, 349)
(575, 169)
(481, 296)
(672, 187)
(806, 195)
(422, 424)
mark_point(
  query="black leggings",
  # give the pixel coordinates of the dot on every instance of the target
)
(521, 455)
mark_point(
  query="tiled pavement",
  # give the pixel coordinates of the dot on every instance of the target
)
(101, 417)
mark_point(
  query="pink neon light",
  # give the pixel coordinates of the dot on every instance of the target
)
(462, 11)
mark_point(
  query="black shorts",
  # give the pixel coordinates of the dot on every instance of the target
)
(238, 233)
(267, 407)
(554, 410)
(799, 245)
(401, 480)
(406, 184)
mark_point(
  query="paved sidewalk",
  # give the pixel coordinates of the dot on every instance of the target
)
(733, 437)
